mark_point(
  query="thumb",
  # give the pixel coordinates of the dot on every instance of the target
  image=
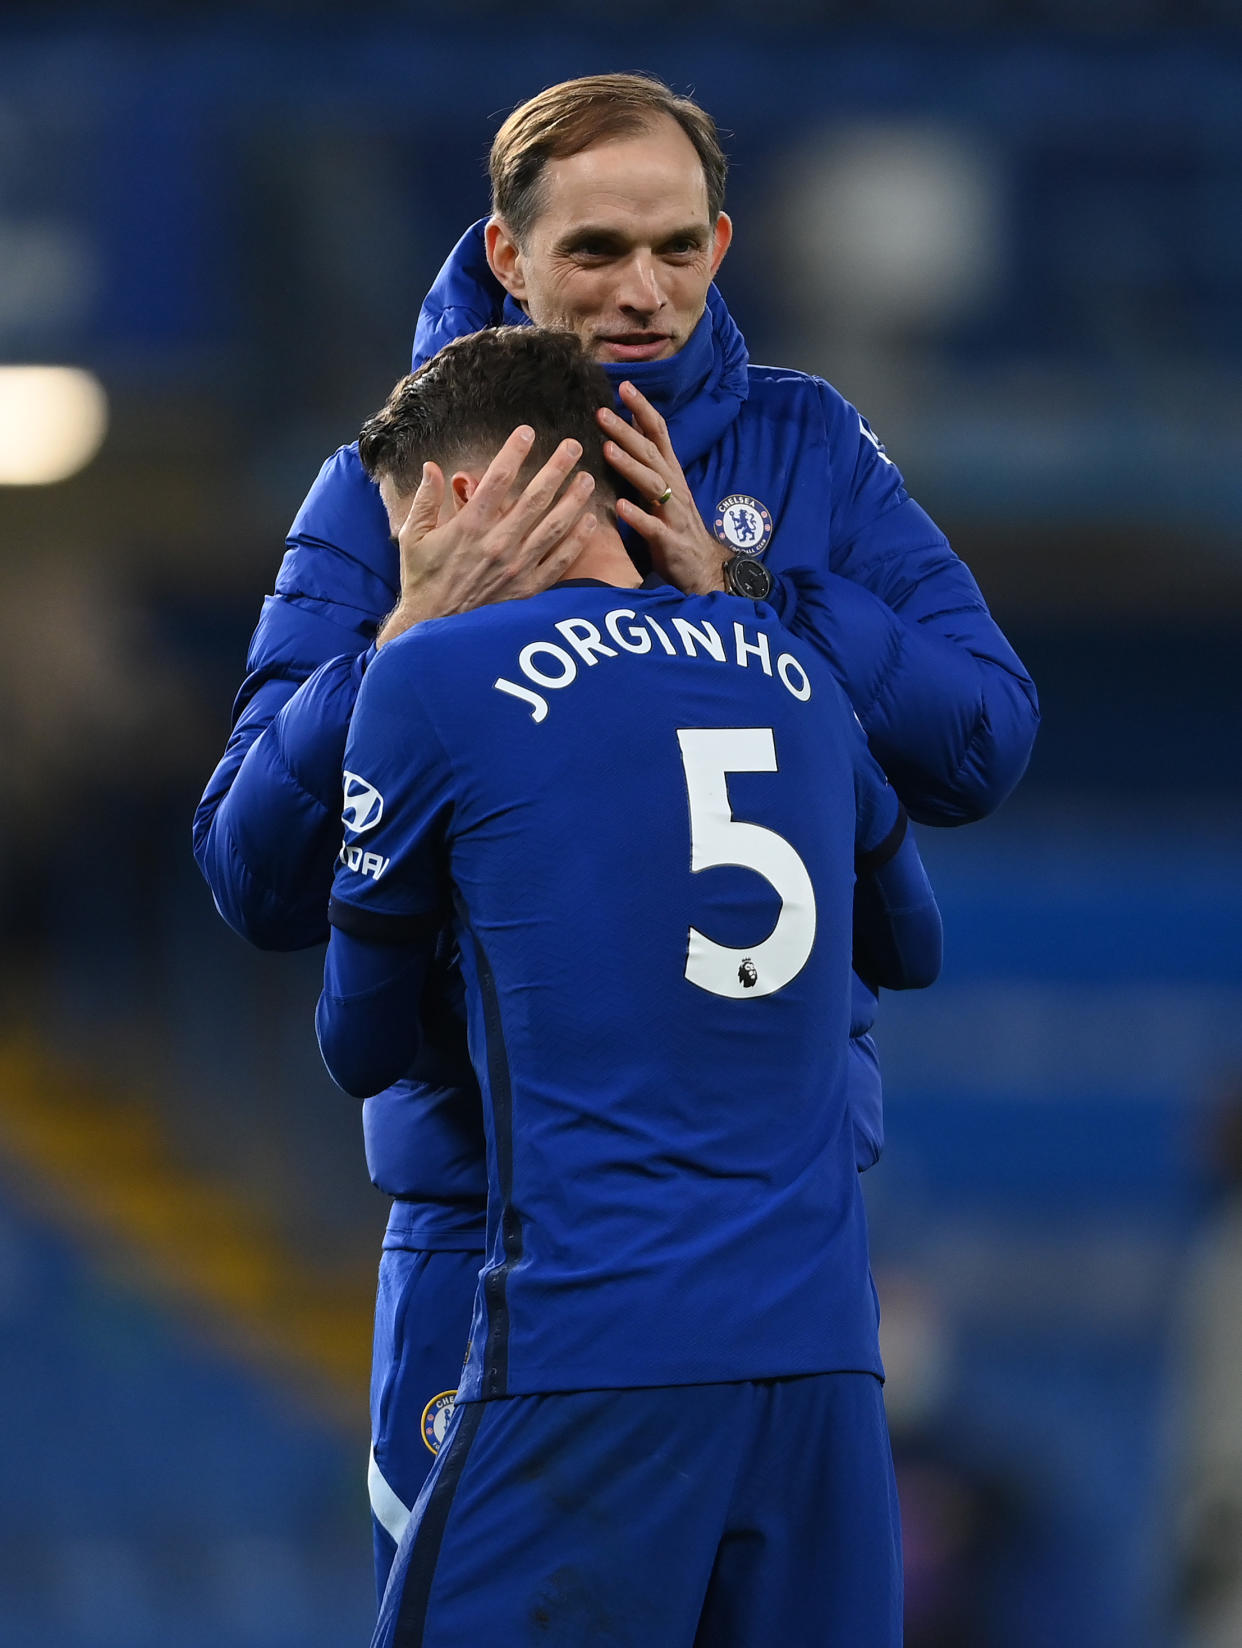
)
(425, 507)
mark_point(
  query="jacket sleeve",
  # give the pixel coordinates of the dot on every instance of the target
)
(267, 830)
(947, 705)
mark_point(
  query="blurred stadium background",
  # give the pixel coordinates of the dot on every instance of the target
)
(1014, 238)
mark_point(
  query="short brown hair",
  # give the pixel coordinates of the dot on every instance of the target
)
(566, 119)
(466, 401)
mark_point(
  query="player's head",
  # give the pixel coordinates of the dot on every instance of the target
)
(608, 213)
(458, 410)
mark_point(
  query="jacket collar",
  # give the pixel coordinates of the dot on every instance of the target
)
(699, 390)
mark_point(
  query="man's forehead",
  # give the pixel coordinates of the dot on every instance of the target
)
(652, 178)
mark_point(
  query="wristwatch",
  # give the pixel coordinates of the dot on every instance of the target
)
(743, 575)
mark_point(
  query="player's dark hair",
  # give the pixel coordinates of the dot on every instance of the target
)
(466, 401)
(564, 120)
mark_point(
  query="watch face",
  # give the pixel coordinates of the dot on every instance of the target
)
(749, 578)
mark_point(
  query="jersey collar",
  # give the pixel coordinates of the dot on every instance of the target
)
(651, 581)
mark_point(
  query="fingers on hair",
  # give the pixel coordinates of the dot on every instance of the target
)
(465, 403)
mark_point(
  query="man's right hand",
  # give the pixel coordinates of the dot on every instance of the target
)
(491, 549)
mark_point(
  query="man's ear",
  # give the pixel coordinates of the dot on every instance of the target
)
(504, 257)
(722, 236)
(461, 489)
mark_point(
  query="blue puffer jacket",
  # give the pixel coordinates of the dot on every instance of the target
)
(777, 459)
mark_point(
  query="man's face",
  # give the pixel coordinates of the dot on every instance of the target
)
(622, 251)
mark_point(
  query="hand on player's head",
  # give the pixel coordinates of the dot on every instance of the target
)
(470, 542)
(482, 511)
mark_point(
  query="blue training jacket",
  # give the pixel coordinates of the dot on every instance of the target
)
(787, 469)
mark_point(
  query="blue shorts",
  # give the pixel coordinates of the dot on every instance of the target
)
(422, 1322)
(697, 1516)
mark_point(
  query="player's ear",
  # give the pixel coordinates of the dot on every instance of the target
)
(722, 236)
(504, 257)
(461, 489)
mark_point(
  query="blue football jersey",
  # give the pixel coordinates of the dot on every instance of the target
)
(641, 811)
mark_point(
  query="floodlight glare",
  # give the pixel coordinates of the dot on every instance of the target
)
(52, 423)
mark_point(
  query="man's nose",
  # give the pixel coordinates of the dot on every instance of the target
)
(640, 289)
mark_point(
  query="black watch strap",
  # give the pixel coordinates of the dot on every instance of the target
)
(745, 576)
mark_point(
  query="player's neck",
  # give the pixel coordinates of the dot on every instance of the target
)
(606, 560)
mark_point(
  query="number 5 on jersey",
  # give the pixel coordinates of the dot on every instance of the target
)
(716, 837)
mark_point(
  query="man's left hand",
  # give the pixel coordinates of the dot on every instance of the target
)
(682, 549)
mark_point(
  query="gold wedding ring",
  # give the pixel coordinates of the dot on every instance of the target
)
(663, 498)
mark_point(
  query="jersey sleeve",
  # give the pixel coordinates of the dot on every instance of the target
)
(368, 1035)
(897, 929)
(880, 818)
(389, 900)
(391, 878)
(949, 709)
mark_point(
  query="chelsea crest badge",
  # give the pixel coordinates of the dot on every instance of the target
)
(743, 523)
(436, 1416)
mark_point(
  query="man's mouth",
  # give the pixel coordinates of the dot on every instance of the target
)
(633, 346)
